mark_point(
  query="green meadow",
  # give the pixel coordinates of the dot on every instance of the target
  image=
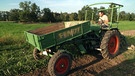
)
(126, 25)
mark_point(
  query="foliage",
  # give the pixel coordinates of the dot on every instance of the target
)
(127, 16)
(73, 16)
(4, 15)
(30, 12)
(14, 15)
(47, 15)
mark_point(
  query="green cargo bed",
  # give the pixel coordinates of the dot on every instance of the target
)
(56, 34)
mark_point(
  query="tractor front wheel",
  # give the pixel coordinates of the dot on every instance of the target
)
(110, 44)
(59, 64)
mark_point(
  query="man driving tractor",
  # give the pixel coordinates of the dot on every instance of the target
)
(103, 19)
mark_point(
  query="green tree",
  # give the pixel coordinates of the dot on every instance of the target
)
(81, 13)
(47, 15)
(89, 13)
(66, 16)
(86, 11)
(57, 17)
(62, 17)
(25, 13)
(29, 11)
(95, 14)
(34, 13)
(0, 16)
(25, 6)
(132, 16)
(4, 15)
(122, 15)
(73, 16)
(14, 15)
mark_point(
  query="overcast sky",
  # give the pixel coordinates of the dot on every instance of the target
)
(65, 5)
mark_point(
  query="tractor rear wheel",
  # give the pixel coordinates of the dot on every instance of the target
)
(110, 44)
(59, 64)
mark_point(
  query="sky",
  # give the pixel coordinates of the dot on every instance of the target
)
(66, 5)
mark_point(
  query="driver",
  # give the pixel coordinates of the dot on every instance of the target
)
(103, 19)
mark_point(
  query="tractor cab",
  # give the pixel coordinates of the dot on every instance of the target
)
(110, 9)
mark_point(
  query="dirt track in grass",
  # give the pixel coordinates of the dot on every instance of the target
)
(87, 65)
(128, 33)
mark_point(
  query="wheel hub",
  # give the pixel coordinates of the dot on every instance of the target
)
(62, 65)
(113, 44)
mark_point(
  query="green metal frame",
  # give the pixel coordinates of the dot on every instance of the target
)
(117, 6)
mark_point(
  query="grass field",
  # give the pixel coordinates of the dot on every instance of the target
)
(16, 54)
(126, 25)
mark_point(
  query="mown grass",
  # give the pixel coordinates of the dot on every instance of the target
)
(16, 54)
(126, 25)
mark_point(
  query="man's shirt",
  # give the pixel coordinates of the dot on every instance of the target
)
(103, 18)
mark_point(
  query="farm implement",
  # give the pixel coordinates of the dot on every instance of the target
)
(84, 35)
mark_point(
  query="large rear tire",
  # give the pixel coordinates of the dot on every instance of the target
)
(110, 44)
(59, 64)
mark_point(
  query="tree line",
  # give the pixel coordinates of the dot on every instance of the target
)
(31, 12)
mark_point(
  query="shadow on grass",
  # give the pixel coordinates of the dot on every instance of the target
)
(93, 67)
(98, 59)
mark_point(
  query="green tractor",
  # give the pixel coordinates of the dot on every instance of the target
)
(85, 36)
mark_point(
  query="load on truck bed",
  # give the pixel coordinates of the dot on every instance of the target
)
(56, 34)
